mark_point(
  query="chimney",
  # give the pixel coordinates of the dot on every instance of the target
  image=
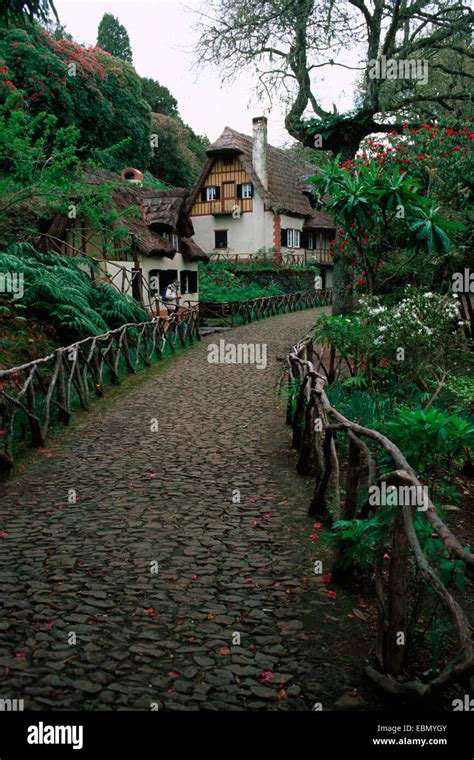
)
(259, 154)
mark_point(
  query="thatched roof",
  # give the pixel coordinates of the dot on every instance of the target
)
(156, 211)
(145, 212)
(287, 191)
(192, 252)
(167, 207)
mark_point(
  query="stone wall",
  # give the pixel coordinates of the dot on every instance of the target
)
(288, 280)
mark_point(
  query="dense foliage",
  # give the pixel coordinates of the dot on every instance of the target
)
(399, 206)
(58, 292)
(217, 283)
(158, 97)
(83, 87)
(104, 98)
(180, 153)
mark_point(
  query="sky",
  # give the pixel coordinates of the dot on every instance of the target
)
(162, 35)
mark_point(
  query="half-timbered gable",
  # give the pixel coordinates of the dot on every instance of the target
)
(252, 198)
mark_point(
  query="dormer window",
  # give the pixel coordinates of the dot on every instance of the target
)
(174, 241)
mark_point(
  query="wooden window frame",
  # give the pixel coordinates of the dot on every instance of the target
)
(221, 248)
(291, 232)
(216, 191)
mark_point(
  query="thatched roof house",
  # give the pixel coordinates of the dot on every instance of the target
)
(286, 191)
(157, 220)
(252, 197)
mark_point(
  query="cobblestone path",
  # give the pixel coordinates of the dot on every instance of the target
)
(135, 596)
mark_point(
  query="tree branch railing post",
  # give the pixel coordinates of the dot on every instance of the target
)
(316, 426)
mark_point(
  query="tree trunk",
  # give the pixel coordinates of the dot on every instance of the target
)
(342, 287)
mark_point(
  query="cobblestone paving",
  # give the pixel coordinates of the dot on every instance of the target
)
(85, 572)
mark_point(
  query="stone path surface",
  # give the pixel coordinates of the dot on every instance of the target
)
(137, 595)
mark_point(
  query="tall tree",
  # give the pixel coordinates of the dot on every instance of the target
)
(113, 38)
(158, 97)
(290, 42)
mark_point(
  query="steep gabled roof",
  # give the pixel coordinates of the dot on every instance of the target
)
(287, 190)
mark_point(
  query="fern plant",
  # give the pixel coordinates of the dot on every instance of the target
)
(58, 292)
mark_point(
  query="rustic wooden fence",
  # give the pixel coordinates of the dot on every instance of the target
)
(45, 391)
(324, 438)
(243, 312)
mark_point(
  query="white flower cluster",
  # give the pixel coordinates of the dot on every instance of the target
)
(419, 320)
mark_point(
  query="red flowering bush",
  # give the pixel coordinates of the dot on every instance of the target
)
(84, 87)
(384, 203)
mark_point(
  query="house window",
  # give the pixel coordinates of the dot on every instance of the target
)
(165, 235)
(245, 190)
(324, 240)
(188, 281)
(175, 241)
(310, 242)
(220, 239)
(293, 239)
(212, 193)
(159, 279)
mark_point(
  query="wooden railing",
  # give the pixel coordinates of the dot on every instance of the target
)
(306, 257)
(45, 391)
(316, 426)
(243, 312)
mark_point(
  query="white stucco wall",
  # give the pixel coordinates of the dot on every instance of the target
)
(244, 235)
(151, 263)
